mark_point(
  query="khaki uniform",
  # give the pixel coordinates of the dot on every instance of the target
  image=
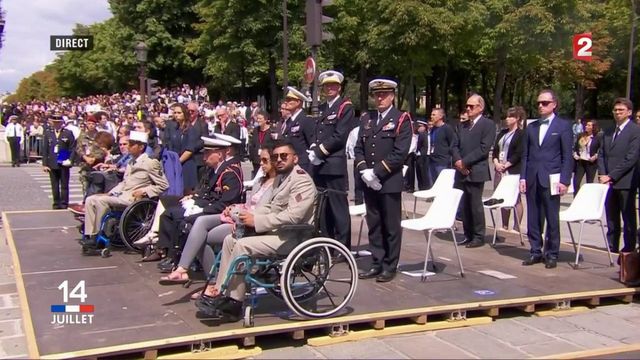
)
(86, 145)
(292, 202)
(142, 173)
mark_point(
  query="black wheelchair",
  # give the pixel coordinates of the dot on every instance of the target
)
(317, 279)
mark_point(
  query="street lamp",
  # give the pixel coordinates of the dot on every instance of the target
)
(141, 50)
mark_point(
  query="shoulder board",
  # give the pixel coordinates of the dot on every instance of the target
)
(343, 105)
(301, 171)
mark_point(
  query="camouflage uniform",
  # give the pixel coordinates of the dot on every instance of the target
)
(86, 146)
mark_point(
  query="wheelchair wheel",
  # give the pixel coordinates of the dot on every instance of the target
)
(136, 221)
(313, 286)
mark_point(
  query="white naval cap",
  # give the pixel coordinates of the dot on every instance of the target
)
(330, 76)
(227, 138)
(293, 93)
(377, 85)
(139, 136)
(211, 143)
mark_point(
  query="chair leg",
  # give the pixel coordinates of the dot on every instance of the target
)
(433, 260)
(404, 208)
(455, 244)
(427, 234)
(606, 243)
(579, 243)
(572, 239)
(495, 228)
(415, 203)
(517, 223)
(360, 234)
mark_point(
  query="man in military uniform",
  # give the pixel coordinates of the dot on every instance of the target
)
(57, 155)
(328, 156)
(219, 188)
(298, 129)
(142, 178)
(292, 202)
(85, 151)
(382, 147)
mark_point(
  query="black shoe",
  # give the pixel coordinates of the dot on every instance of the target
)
(463, 241)
(475, 243)
(88, 242)
(207, 302)
(492, 202)
(532, 260)
(386, 276)
(370, 274)
(226, 310)
(166, 265)
(550, 263)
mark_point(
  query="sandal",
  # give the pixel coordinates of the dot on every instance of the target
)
(212, 293)
(174, 278)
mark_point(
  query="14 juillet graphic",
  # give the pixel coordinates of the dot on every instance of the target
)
(72, 314)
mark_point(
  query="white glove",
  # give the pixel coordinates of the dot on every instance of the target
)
(371, 179)
(193, 210)
(376, 185)
(66, 163)
(313, 158)
(187, 204)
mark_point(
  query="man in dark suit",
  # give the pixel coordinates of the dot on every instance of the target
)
(298, 129)
(617, 166)
(228, 127)
(381, 149)
(546, 150)
(57, 156)
(201, 130)
(470, 159)
(329, 158)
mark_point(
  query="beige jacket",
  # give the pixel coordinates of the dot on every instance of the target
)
(142, 173)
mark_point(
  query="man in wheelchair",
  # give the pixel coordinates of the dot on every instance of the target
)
(292, 202)
(143, 178)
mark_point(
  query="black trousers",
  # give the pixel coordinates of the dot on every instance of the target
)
(541, 206)
(170, 219)
(14, 145)
(60, 187)
(410, 175)
(384, 214)
(358, 186)
(621, 202)
(422, 172)
(472, 209)
(584, 167)
(337, 222)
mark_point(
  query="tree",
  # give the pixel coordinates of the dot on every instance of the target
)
(41, 85)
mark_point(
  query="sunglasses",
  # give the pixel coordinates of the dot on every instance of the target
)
(544, 103)
(283, 157)
(265, 160)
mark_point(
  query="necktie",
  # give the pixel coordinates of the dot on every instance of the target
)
(379, 119)
(615, 135)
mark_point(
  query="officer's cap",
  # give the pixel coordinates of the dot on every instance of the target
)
(227, 138)
(330, 76)
(138, 136)
(422, 122)
(213, 144)
(378, 85)
(293, 93)
(56, 117)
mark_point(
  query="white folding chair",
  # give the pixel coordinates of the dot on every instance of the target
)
(248, 185)
(358, 210)
(444, 181)
(404, 173)
(507, 190)
(587, 206)
(441, 216)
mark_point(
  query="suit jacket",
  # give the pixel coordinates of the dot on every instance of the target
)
(65, 142)
(141, 173)
(514, 152)
(292, 202)
(268, 138)
(384, 147)
(619, 159)
(201, 129)
(472, 147)
(553, 156)
(299, 132)
(331, 136)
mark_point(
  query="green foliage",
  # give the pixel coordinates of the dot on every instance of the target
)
(41, 85)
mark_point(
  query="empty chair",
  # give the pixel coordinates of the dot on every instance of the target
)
(508, 191)
(587, 206)
(441, 216)
(249, 183)
(444, 181)
(358, 210)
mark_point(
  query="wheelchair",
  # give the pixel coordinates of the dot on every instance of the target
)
(121, 228)
(309, 279)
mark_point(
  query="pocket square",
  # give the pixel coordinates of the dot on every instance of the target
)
(554, 134)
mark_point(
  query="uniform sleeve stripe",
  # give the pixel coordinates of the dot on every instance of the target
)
(361, 162)
(323, 149)
(384, 163)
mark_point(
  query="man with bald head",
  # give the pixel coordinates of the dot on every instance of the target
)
(470, 159)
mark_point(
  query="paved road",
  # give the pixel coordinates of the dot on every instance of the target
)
(512, 336)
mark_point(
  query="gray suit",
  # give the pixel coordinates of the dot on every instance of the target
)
(142, 173)
(292, 202)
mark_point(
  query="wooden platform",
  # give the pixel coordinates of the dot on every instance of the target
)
(134, 315)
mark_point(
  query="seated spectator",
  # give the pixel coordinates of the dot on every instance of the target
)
(291, 202)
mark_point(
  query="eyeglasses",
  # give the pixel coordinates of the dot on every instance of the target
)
(544, 103)
(124, 144)
(283, 157)
(470, 106)
(265, 160)
(192, 111)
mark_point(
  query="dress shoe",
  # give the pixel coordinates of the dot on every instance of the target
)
(155, 256)
(370, 274)
(147, 239)
(463, 241)
(550, 263)
(386, 276)
(225, 309)
(77, 209)
(166, 265)
(88, 241)
(532, 260)
(475, 243)
(492, 202)
(205, 301)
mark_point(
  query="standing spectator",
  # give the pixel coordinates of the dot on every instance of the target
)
(442, 138)
(585, 153)
(199, 129)
(577, 128)
(507, 156)
(546, 150)
(410, 163)
(470, 157)
(617, 166)
(637, 117)
(358, 184)
(383, 144)
(70, 124)
(57, 151)
(188, 145)
(422, 155)
(299, 128)
(36, 133)
(14, 135)
(262, 138)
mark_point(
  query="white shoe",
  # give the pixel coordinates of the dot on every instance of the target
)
(147, 239)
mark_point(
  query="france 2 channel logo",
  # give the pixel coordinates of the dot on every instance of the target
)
(72, 314)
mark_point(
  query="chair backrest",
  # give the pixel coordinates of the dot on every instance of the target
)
(445, 179)
(508, 190)
(442, 213)
(250, 183)
(589, 201)
(319, 210)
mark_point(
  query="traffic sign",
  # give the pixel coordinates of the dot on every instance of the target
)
(582, 44)
(309, 70)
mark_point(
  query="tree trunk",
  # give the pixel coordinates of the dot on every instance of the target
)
(243, 81)
(484, 90)
(411, 89)
(593, 109)
(444, 90)
(579, 100)
(273, 86)
(364, 90)
(433, 92)
(501, 74)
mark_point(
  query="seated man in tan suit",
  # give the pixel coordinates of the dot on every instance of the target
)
(292, 202)
(143, 177)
